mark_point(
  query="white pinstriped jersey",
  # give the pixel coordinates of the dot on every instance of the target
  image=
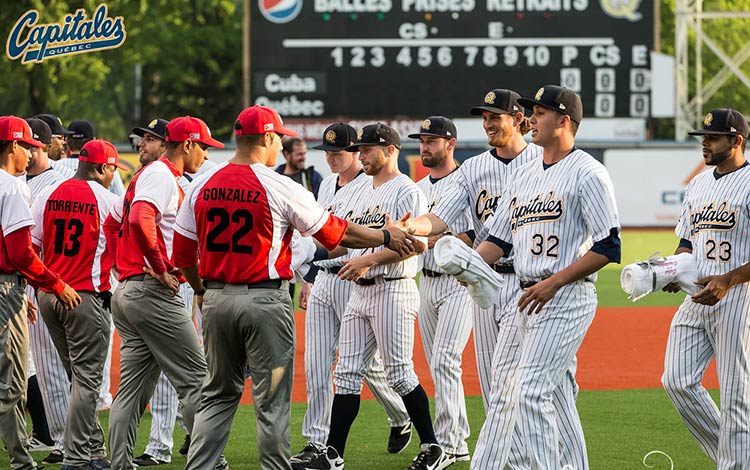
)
(395, 198)
(43, 180)
(70, 165)
(341, 203)
(716, 219)
(433, 191)
(481, 183)
(552, 216)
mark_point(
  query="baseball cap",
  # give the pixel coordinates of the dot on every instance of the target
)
(337, 137)
(15, 128)
(259, 119)
(499, 101)
(723, 121)
(81, 129)
(190, 128)
(156, 128)
(100, 152)
(436, 126)
(40, 130)
(54, 123)
(560, 99)
(375, 134)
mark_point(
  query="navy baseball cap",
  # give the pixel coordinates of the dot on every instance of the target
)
(40, 130)
(55, 124)
(499, 101)
(436, 126)
(337, 137)
(81, 129)
(157, 128)
(723, 121)
(557, 98)
(375, 134)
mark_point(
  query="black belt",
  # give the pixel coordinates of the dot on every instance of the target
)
(429, 273)
(503, 268)
(271, 284)
(136, 277)
(333, 270)
(374, 280)
(527, 282)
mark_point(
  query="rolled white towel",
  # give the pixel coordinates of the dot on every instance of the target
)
(465, 264)
(644, 277)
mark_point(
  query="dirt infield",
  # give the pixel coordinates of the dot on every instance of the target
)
(624, 349)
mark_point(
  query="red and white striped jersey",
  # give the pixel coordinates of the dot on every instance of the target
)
(14, 214)
(68, 219)
(156, 184)
(243, 218)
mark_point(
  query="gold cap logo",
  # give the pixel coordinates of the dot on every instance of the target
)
(152, 124)
(359, 134)
(330, 136)
(489, 98)
(426, 124)
(539, 94)
(708, 119)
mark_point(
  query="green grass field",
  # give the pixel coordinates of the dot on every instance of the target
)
(621, 427)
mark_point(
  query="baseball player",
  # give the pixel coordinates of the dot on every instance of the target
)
(715, 227)
(240, 216)
(82, 131)
(339, 193)
(156, 331)
(68, 217)
(54, 383)
(445, 306)
(559, 217)
(57, 146)
(382, 307)
(17, 265)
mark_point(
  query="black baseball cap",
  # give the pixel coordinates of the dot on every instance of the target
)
(81, 129)
(156, 128)
(55, 124)
(560, 99)
(436, 126)
(337, 137)
(723, 121)
(375, 134)
(40, 130)
(499, 101)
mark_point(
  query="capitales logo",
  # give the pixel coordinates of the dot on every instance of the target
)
(33, 42)
(543, 208)
(280, 11)
(713, 216)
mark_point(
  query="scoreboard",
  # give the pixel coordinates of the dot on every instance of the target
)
(328, 59)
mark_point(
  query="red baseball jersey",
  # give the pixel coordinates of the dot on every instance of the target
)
(68, 219)
(14, 214)
(156, 184)
(243, 218)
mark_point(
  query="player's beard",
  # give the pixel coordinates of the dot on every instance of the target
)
(373, 168)
(502, 137)
(717, 158)
(55, 151)
(431, 160)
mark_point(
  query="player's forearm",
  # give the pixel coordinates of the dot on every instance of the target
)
(588, 264)
(740, 275)
(191, 274)
(383, 257)
(26, 262)
(359, 236)
(142, 221)
(490, 252)
(426, 225)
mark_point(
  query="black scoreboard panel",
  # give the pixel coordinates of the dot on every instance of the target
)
(412, 58)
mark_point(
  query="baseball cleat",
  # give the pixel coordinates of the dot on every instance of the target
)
(431, 457)
(147, 460)
(399, 439)
(185, 445)
(453, 458)
(56, 456)
(307, 454)
(328, 460)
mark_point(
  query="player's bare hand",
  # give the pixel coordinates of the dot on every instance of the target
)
(403, 243)
(672, 287)
(354, 268)
(69, 298)
(304, 295)
(199, 302)
(536, 297)
(432, 240)
(31, 311)
(715, 290)
(167, 280)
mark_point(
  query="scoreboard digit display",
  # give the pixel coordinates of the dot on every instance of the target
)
(411, 58)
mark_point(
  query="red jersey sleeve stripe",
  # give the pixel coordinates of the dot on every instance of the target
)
(332, 232)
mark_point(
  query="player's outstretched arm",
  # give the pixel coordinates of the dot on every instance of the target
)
(718, 286)
(425, 225)
(359, 236)
(355, 268)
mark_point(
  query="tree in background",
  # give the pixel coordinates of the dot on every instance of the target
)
(190, 54)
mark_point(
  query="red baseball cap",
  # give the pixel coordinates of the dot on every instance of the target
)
(15, 128)
(100, 152)
(259, 120)
(190, 128)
